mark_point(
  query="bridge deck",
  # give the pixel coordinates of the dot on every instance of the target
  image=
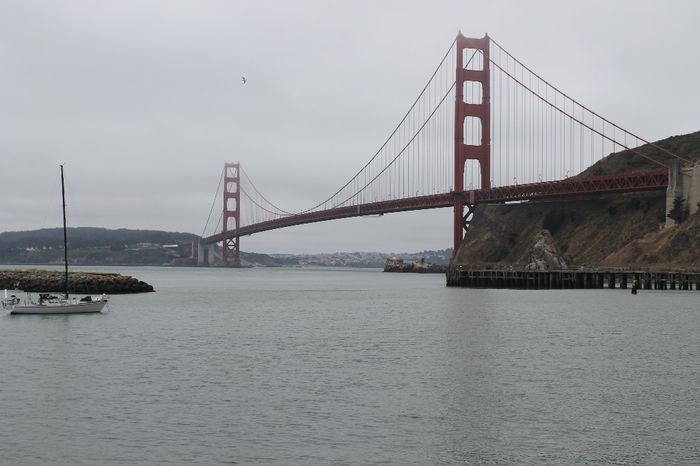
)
(641, 181)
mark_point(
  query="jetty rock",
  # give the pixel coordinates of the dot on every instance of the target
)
(397, 264)
(78, 282)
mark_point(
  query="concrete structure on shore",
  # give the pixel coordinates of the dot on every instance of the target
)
(206, 254)
(683, 182)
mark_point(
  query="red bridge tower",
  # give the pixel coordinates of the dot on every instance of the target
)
(232, 213)
(482, 110)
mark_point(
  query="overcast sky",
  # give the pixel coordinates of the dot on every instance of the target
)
(143, 100)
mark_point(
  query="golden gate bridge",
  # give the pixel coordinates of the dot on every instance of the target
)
(485, 128)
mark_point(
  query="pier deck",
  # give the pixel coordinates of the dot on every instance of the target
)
(571, 279)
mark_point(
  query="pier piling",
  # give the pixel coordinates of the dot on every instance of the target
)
(571, 279)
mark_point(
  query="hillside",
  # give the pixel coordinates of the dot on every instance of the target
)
(687, 146)
(592, 231)
(84, 237)
(96, 246)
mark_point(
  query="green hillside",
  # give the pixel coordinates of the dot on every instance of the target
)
(97, 246)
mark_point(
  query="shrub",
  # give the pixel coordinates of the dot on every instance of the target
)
(680, 211)
(497, 254)
(554, 220)
(513, 238)
(634, 203)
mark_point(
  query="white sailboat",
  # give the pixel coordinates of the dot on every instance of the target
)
(50, 304)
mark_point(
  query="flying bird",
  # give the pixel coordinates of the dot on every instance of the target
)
(243, 78)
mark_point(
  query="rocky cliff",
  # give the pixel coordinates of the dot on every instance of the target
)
(592, 231)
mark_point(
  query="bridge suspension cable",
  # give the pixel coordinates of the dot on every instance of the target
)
(414, 160)
(207, 229)
(586, 109)
(257, 198)
(537, 133)
(366, 175)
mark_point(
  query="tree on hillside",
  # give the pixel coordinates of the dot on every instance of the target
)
(680, 211)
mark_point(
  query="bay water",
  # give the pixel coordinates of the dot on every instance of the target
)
(352, 366)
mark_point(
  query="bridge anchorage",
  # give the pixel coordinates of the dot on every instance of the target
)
(484, 129)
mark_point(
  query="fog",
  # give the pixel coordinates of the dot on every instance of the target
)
(143, 101)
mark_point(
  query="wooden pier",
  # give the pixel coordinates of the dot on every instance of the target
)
(571, 279)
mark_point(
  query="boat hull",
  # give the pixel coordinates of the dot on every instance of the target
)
(69, 308)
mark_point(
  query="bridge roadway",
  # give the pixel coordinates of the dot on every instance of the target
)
(629, 182)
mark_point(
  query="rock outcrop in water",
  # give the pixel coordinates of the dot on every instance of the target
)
(399, 265)
(78, 282)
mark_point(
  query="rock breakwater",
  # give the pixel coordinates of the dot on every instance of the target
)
(399, 265)
(78, 282)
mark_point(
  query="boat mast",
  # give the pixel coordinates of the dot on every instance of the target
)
(65, 238)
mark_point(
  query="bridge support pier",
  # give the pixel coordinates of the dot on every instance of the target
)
(231, 251)
(462, 220)
(205, 255)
